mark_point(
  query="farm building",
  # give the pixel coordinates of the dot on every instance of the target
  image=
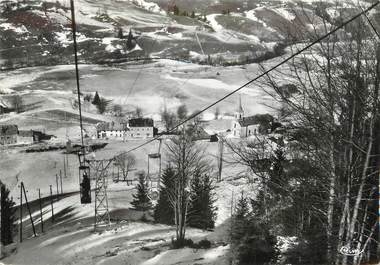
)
(30, 136)
(140, 128)
(8, 134)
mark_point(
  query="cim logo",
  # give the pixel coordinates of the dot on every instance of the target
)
(350, 251)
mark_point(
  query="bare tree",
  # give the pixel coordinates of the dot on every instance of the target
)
(182, 112)
(338, 100)
(216, 113)
(186, 157)
(117, 110)
(138, 112)
(168, 118)
(126, 163)
(17, 103)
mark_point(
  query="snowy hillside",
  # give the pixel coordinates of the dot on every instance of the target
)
(39, 32)
(71, 239)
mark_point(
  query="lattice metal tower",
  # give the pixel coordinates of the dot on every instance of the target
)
(99, 169)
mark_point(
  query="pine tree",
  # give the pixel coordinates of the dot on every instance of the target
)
(141, 201)
(192, 14)
(277, 174)
(251, 241)
(120, 33)
(8, 217)
(96, 100)
(163, 212)
(176, 10)
(240, 219)
(130, 44)
(102, 106)
(202, 212)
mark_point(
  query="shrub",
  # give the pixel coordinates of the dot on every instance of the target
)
(176, 244)
(204, 244)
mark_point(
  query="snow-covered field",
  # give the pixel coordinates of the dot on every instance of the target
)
(71, 239)
(132, 85)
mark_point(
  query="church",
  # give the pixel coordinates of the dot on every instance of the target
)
(242, 126)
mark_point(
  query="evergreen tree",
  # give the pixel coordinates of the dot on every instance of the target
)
(8, 216)
(102, 105)
(202, 212)
(163, 212)
(251, 241)
(240, 219)
(130, 44)
(120, 33)
(277, 175)
(141, 201)
(176, 10)
(96, 100)
(192, 14)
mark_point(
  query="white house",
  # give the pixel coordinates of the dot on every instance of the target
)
(140, 128)
(111, 130)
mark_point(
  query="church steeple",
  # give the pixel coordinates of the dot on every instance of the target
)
(239, 114)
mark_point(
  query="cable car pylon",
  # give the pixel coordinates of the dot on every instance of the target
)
(98, 168)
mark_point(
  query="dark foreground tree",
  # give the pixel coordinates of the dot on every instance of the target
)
(8, 217)
(163, 212)
(251, 240)
(141, 201)
(202, 212)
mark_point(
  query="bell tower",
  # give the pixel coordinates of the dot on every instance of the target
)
(239, 114)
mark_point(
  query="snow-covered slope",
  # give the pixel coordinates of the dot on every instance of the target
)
(35, 33)
(71, 240)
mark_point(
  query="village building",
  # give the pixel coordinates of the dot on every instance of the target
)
(140, 128)
(111, 130)
(29, 136)
(8, 134)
